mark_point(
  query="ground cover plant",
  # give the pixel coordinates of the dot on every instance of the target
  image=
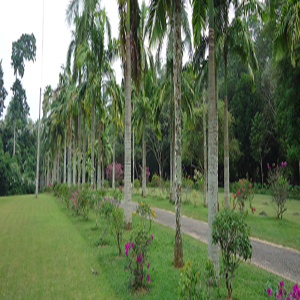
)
(263, 222)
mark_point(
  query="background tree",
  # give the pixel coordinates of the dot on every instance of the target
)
(3, 92)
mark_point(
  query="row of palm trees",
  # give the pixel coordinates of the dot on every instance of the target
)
(88, 94)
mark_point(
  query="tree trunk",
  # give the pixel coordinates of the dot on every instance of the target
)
(171, 149)
(58, 167)
(54, 164)
(205, 153)
(127, 171)
(48, 170)
(114, 158)
(262, 174)
(83, 150)
(93, 144)
(144, 166)
(226, 145)
(79, 147)
(102, 173)
(133, 157)
(65, 158)
(38, 150)
(213, 251)
(178, 251)
(99, 156)
(74, 159)
(69, 151)
(14, 149)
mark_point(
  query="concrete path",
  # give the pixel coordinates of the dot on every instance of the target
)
(279, 260)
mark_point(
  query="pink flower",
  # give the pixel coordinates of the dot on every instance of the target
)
(153, 269)
(239, 192)
(148, 277)
(135, 296)
(234, 196)
(73, 196)
(250, 185)
(241, 181)
(269, 292)
(148, 265)
(147, 242)
(139, 257)
(152, 236)
(277, 295)
(133, 270)
(282, 283)
(268, 166)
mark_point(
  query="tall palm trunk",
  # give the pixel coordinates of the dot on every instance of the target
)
(144, 166)
(65, 158)
(205, 153)
(127, 171)
(74, 159)
(48, 170)
(226, 144)
(38, 150)
(171, 148)
(114, 158)
(69, 151)
(213, 251)
(58, 167)
(133, 156)
(93, 144)
(99, 156)
(83, 150)
(14, 149)
(79, 146)
(178, 251)
(102, 169)
(54, 164)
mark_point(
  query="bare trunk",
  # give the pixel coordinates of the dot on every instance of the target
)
(14, 149)
(171, 150)
(226, 157)
(102, 172)
(262, 174)
(54, 165)
(65, 159)
(127, 188)
(144, 166)
(178, 251)
(213, 251)
(74, 159)
(69, 151)
(114, 158)
(83, 150)
(99, 156)
(205, 153)
(38, 150)
(133, 157)
(48, 170)
(79, 146)
(58, 167)
(93, 144)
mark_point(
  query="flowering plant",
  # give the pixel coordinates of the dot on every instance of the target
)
(137, 263)
(145, 210)
(281, 293)
(118, 172)
(278, 187)
(243, 193)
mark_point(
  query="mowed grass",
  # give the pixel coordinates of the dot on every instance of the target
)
(284, 232)
(42, 255)
(46, 253)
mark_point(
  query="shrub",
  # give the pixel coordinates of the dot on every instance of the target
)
(187, 184)
(47, 189)
(136, 183)
(56, 187)
(63, 191)
(278, 187)
(106, 184)
(155, 180)
(282, 293)
(189, 283)
(243, 193)
(117, 226)
(230, 231)
(118, 173)
(84, 202)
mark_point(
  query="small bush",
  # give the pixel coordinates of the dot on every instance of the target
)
(117, 226)
(243, 193)
(56, 187)
(279, 187)
(155, 180)
(230, 231)
(47, 189)
(136, 183)
(189, 283)
(106, 184)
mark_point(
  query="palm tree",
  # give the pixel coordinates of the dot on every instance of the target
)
(129, 14)
(287, 31)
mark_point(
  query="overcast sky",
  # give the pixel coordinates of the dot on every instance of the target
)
(20, 16)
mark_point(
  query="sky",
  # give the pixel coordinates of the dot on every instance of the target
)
(20, 16)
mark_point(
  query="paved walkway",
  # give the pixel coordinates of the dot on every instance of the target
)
(279, 260)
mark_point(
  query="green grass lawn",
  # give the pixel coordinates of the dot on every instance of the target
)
(43, 256)
(285, 232)
(46, 253)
